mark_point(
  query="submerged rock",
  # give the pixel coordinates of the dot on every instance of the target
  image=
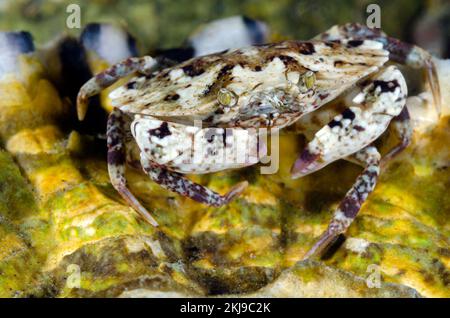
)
(64, 230)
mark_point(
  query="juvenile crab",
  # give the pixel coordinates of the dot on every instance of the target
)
(264, 86)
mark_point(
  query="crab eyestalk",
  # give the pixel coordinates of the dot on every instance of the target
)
(227, 98)
(307, 81)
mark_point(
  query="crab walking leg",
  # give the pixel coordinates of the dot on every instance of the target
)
(116, 134)
(176, 182)
(381, 99)
(351, 204)
(401, 126)
(400, 52)
(95, 85)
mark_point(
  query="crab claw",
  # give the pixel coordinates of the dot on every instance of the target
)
(306, 163)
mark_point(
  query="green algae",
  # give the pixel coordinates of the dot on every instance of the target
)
(16, 196)
(60, 209)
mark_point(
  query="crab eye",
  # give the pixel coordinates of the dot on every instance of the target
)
(226, 97)
(307, 81)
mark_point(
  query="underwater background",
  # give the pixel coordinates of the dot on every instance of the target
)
(65, 232)
(167, 23)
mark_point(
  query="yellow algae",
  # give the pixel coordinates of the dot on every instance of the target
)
(31, 72)
(80, 200)
(46, 102)
(74, 143)
(24, 109)
(257, 195)
(54, 179)
(16, 200)
(80, 219)
(416, 269)
(11, 244)
(423, 169)
(14, 94)
(204, 263)
(36, 141)
(19, 264)
(134, 245)
(314, 279)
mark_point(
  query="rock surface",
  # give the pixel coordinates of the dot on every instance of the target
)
(65, 232)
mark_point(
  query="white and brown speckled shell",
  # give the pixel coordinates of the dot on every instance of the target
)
(189, 90)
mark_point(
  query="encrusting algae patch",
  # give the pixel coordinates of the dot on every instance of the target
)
(68, 211)
(61, 217)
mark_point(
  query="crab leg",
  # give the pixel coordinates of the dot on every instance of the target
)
(116, 133)
(400, 52)
(401, 126)
(176, 182)
(95, 85)
(380, 100)
(351, 204)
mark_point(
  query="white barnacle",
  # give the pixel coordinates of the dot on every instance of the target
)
(293, 77)
(227, 98)
(357, 245)
(176, 74)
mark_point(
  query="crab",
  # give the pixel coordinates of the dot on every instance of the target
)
(237, 93)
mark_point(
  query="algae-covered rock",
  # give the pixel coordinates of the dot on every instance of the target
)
(67, 219)
(64, 218)
(20, 265)
(314, 279)
(65, 232)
